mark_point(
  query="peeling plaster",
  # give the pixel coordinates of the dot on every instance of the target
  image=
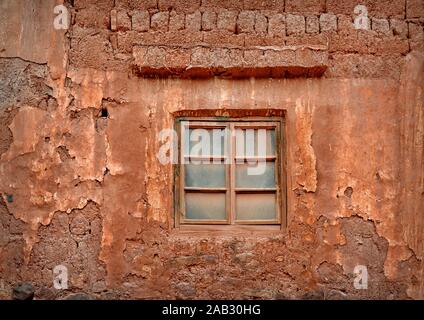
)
(349, 162)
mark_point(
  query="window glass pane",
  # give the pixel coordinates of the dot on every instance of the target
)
(255, 175)
(250, 142)
(255, 142)
(270, 142)
(205, 175)
(202, 142)
(255, 206)
(218, 142)
(210, 206)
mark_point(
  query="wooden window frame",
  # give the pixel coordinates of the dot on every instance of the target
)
(231, 223)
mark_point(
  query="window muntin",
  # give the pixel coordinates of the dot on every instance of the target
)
(229, 172)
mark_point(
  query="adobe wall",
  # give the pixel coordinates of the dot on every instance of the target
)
(80, 114)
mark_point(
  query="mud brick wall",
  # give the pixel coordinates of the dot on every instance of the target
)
(81, 109)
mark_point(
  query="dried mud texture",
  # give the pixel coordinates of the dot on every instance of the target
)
(80, 117)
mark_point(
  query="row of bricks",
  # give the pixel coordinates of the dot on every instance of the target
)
(156, 57)
(376, 8)
(275, 24)
(355, 42)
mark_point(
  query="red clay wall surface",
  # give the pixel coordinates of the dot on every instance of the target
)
(86, 191)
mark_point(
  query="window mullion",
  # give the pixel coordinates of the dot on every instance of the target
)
(181, 178)
(278, 169)
(232, 173)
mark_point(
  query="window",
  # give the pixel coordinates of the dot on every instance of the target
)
(230, 172)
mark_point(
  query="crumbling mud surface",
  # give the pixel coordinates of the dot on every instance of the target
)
(80, 114)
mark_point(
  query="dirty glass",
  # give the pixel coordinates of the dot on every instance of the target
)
(255, 142)
(255, 206)
(260, 175)
(205, 175)
(204, 142)
(210, 206)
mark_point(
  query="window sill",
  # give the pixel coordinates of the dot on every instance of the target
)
(228, 230)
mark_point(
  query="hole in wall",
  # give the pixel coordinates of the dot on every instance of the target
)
(348, 192)
(104, 113)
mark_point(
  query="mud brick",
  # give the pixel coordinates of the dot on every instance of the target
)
(381, 26)
(252, 57)
(246, 22)
(178, 58)
(279, 58)
(208, 20)
(159, 21)
(295, 24)
(119, 20)
(201, 56)
(318, 39)
(399, 28)
(277, 25)
(140, 21)
(193, 21)
(328, 22)
(344, 23)
(227, 20)
(176, 21)
(261, 23)
(312, 24)
(123, 21)
(414, 8)
(223, 57)
(415, 31)
(223, 37)
(253, 40)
